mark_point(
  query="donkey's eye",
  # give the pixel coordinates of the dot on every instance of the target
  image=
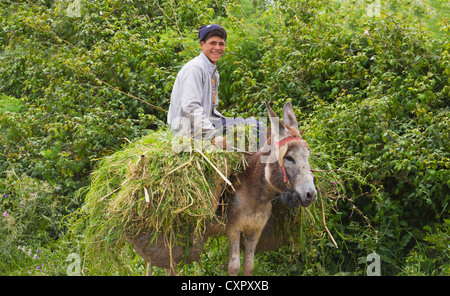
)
(288, 158)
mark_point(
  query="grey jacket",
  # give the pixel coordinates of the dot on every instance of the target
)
(191, 104)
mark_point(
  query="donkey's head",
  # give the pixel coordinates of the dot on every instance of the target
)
(290, 153)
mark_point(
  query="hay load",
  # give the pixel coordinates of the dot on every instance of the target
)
(152, 187)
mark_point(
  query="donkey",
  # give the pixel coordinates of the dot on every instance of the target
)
(281, 166)
(277, 173)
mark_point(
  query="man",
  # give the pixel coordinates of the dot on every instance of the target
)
(194, 96)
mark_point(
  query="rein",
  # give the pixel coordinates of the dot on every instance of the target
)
(280, 144)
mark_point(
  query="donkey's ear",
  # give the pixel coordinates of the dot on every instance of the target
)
(270, 110)
(289, 116)
(277, 128)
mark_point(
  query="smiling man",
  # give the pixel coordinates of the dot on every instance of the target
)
(194, 97)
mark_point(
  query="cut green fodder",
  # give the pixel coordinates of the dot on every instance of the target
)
(150, 187)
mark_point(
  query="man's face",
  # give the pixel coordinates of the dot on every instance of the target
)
(213, 48)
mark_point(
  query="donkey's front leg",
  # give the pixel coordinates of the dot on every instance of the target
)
(234, 259)
(250, 242)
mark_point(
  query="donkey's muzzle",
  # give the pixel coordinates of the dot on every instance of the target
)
(293, 199)
(290, 198)
(305, 196)
(308, 197)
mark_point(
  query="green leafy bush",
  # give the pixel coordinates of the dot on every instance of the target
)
(31, 213)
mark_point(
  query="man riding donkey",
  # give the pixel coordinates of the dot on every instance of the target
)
(280, 170)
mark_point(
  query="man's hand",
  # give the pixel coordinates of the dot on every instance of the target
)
(220, 142)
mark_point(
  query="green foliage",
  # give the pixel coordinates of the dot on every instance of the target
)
(30, 208)
(30, 226)
(369, 80)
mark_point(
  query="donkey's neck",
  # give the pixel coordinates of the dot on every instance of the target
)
(264, 176)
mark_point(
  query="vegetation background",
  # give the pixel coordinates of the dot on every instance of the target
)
(370, 82)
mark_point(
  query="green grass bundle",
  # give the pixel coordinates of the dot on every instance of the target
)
(151, 187)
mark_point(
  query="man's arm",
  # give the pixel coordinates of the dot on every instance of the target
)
(191, 98)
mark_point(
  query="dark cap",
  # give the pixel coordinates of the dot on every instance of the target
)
(204, 30)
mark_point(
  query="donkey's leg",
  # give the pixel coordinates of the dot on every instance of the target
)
(250, 242)
(170, 272)
(149, 269)
(234, 258)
